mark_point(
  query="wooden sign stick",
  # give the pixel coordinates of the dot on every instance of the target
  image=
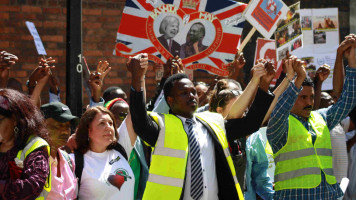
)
(248, 37)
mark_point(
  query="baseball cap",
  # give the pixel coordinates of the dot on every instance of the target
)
(58, 111)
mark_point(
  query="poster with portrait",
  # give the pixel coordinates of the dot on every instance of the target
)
(204, 33)
(320, 29)
(265, 14)
(288, 34)
(266, 49)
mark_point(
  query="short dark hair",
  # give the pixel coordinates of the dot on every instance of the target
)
(109, 93)
(308, 82)
(167, 88)
(82, 133)
(29, 119)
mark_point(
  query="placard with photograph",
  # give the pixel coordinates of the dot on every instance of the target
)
(288, 34)
(265, 14)
(320, 41)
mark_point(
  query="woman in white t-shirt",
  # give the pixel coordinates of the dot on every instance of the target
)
(106, 173)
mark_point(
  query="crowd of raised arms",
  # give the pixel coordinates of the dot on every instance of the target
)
(225, 139)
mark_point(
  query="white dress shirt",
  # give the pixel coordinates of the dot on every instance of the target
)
(207, 152)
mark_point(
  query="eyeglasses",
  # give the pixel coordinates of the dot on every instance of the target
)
(227, 95)
(122, 116)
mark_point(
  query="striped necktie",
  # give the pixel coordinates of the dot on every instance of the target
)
(196, 186)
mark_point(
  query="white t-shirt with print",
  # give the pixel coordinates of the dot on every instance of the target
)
(106, 176)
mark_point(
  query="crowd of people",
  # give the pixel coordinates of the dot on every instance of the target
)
(198, 140)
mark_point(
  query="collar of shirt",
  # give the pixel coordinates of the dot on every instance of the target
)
(300, 118)
(184, 119)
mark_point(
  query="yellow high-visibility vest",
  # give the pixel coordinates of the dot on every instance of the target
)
(169, 157)
(33, 144)
(299, 162)
(268, 148)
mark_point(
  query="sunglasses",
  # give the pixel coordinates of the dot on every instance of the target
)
(122, 116)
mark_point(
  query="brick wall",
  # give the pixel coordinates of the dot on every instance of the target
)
(101, 20)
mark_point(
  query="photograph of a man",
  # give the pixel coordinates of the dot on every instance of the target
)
(169, 28)
(194, 40)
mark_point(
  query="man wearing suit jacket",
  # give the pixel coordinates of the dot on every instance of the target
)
(177, 171)
(169, 28)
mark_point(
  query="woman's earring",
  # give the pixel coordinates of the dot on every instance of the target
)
(16, 131)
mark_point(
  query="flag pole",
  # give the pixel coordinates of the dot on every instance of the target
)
(248, 37)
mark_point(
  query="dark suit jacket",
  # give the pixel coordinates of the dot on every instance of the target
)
(148, 130)
(175, 49)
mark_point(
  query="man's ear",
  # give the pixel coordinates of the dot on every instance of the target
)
(170, 101)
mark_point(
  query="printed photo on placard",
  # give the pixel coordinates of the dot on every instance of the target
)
(289, 32)
(309, 66)
(319, 37)
(306, 23)
(282, 53)
(325, 23)
(265, 14)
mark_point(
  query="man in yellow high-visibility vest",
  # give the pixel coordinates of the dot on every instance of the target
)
(300, 137)
(191, 158)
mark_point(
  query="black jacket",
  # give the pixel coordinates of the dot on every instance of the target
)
(175, 49)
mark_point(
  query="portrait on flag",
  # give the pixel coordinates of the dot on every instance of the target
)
(204, 33)
(169, 28)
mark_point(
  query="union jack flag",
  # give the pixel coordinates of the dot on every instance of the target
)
(204, 33)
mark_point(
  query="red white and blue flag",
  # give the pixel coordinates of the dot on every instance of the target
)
(204, 33)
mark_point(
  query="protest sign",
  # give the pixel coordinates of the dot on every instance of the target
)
(204, 33)
(265, 14)
(38, 43)
(266, 49)
(320, 29)
(288, 34)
